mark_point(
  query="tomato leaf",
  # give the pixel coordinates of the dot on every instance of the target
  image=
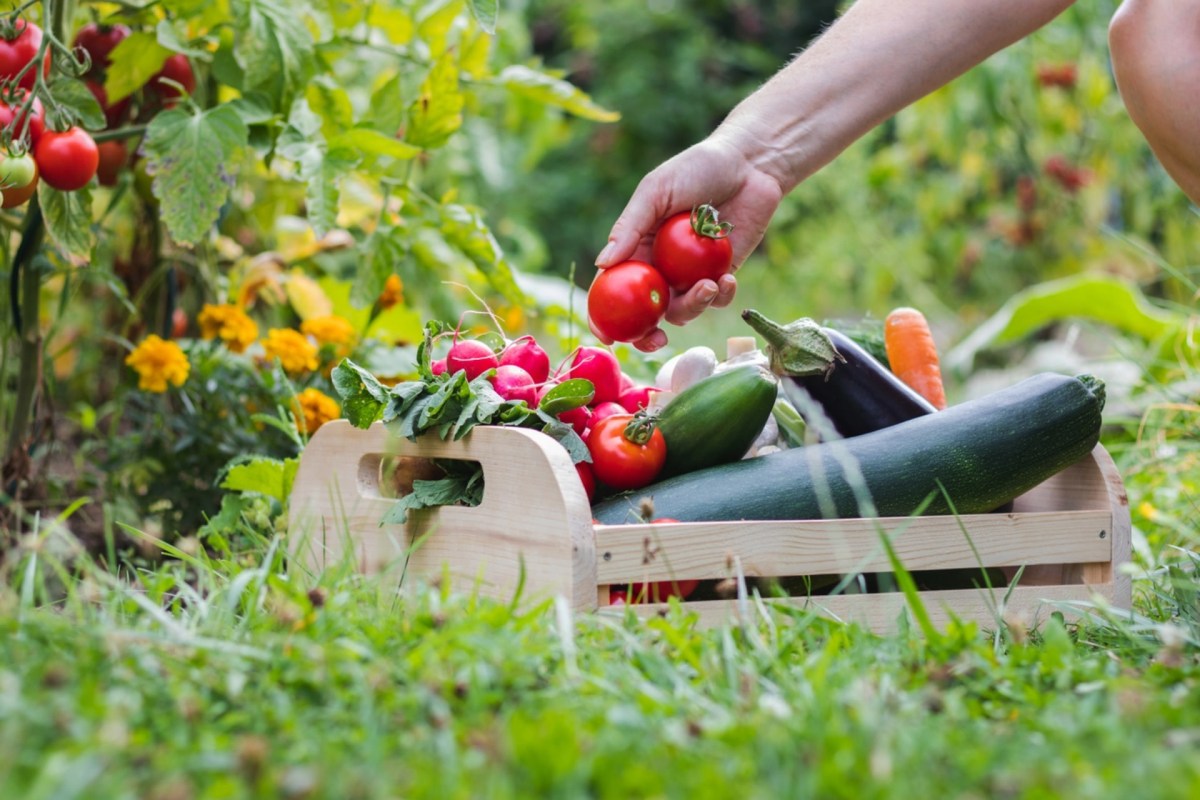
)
(569, 394)
(394, 23)
(77, 100)
(465, 229)
(274, 48)
(134, 61)
(272, 477)
(485, 13)
(304, 143)
(68, 219)
(381, 252)
(363, 396)
(187, 153)
(358, 142)
(436, 114)
(552, 90)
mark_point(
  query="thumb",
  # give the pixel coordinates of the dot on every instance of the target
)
(636, 223)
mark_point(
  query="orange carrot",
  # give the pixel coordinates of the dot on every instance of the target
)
(913, 354)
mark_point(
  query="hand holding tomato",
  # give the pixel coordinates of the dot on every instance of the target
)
(626, 302)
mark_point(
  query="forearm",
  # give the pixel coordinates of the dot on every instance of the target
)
(879, 57)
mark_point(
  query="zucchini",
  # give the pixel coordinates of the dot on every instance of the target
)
(984, 452)
(819, 365)
(716, 419)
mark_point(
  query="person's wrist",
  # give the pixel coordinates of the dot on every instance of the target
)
(754, 146)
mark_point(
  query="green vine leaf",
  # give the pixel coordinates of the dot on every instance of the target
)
(552, 90)
(436, 114)
(485, 13)
(188, 154)
(381, 253)
(74, 96)
(363, 396)
(274, 48)
(465, 229)
(272, 477)
(304, 143)
(68, 219)
(134, 61)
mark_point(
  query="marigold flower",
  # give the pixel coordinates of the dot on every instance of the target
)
(393, 292)
(230, 324)
(158, 362)
(313, 408)
(293, 349)
(329, 330)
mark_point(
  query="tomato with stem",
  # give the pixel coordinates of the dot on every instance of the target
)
(691, 247)
(16, 195)
(628, 450)
(627, 301)
(98, 41)
(68, 159)
(17, 52)
(14, 117)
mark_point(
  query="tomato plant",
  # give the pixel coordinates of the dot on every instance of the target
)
(16, 172)
(68, 159)
(114, 113)
(18, 51)
(114, 155)
(691, 247)
(176, 70)
(99, 40)
(628, 451)
(20, 122)
(627, 301)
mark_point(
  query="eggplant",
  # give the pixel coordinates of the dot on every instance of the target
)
(857, 393)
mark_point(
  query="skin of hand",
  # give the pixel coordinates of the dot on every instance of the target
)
(876, 59)
(1155, 47)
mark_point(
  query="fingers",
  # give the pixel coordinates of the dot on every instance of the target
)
(717, 294)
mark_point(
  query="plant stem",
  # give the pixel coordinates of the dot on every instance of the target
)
(26, 323)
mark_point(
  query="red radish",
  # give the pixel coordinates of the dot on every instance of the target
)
(437, 366)
(635, 398)
(527, 354)
(578, 418)
(514, 383)
(589, 480)
(606, 409)
(472, 356)
(601, 368)
(627, 382)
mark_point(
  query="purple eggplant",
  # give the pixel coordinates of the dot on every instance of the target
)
(824, 366)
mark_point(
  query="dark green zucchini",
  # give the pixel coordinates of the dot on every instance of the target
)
(715, 420)
(984, 452)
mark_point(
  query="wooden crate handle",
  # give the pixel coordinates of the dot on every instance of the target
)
(533, 527)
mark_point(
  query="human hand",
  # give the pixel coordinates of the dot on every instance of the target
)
(713, 172)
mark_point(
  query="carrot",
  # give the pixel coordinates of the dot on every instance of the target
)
(913, 354)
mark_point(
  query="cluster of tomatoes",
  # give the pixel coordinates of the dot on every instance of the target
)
(68, 159)
(627, 301)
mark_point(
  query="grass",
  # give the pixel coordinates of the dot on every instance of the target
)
(224, 675)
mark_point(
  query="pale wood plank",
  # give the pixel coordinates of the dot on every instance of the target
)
(630, 553)
(882, 612)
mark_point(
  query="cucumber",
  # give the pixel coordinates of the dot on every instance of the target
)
(715, 420)
(984, 452)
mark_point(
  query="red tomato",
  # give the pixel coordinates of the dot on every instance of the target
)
(16, 195)
(98, 41)
(627, 452)
(68, 159)
(176, 68)
(37, 122)
(18, 51)
(114, 154)
(690, 247)
(627, 301)
(112, 113)
(659, 591)
(584, 469)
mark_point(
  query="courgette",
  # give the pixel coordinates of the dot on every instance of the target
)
(716, 420)
(984, 452)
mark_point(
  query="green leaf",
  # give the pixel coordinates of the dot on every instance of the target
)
(175, 41)
(485, 13)
(403, 396)
(465, 229)
(134, 61)
(274, 49)
(565, 435)
(1105, 299)
(68, 219)
(394, 23)
(436, 114)
(360, 142)
(304, 143)
(188, 153)
(553, 91)
(270, 476)
(227, 519)
(437, 20)
(572, 393)
(457, 489)
(363, 396)
(381, 253)
(79, 102)
(331, 103)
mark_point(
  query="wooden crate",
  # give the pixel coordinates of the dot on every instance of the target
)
(1071, 534)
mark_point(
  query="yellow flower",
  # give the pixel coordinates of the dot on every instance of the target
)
(229, 323)
(329, 330)
(393, 292)
(313, 408)
(292, 348)
(158, 362)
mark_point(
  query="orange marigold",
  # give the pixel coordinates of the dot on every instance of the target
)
(313, 408)
(230, 324)
(393, 292)
(157, 363)
(329, 330)
(293, 349)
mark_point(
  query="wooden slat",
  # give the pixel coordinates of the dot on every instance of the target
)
(882, 612)
(632, 553)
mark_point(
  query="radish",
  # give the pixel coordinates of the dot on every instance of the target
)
(605, 409)
(587, 478)
(635, 398)
(601, 368)
(514, 383)
(527, 354)
(578, 418)
(437, 366)
(472, 356)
